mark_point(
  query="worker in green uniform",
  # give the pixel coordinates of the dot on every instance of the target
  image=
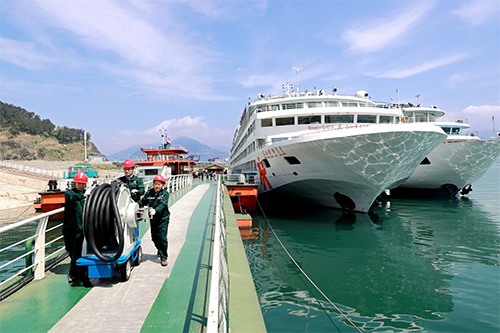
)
(74, 200)
(134, 183)
(157, 201)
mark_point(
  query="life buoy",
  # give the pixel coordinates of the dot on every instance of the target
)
(406, 119)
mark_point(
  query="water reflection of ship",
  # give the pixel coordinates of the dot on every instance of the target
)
(387, 267)
(251, 232)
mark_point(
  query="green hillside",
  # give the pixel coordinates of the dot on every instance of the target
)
(25, 136)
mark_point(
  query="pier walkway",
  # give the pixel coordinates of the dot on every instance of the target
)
(156, 298)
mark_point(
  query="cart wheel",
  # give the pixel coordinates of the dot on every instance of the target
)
(138, 258)
(126, 270)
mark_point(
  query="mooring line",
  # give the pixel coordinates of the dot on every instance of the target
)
(302, 271)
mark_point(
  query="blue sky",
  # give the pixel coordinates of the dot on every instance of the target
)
(123, 69)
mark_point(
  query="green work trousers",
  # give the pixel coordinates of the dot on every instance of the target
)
(159, 230)
(73, 241)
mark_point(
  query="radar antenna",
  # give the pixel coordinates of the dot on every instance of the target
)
(334, 88)
(418, 99)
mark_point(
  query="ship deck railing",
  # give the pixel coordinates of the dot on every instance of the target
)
(24, 258)
(217, 320)
(173, 183)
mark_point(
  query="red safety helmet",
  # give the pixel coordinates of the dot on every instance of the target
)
(160, 178)
(129, 164)
(81, 178)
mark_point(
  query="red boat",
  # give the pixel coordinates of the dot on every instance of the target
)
(171, 157)
(52, 199)
(243, 194)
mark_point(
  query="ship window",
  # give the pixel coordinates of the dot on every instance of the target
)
(341, 118)
(274, 107)
(274, 140)
(446, 130)
(353, 104)
(150, 172)
(309, 120)
(314, 104)
(332, 104)
(363, 118)
(345, 104)
(289, 106)
(266, 163)
(455, 131)
(266, 122)
(300, 105)
(292, 160)
(285, 121)
(385, 119)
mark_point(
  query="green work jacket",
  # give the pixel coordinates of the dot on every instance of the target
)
(159, 202)
(73, 210)
(134, 183)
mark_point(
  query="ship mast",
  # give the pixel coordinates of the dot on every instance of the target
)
(164, 144)
(297, 73)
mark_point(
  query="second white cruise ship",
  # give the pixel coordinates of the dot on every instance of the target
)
(340, 151)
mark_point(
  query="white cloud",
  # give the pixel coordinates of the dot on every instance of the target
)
(373, 35)
(480, 117)
(478, 11)
(458, 79)
(22, 54)
(420, 68)
(146, 45)
(260, 80)
(228, 10)
(482, 109)
(193, 128)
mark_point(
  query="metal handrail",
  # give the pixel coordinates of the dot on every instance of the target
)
(174, 183)
(39, 248)
(217, 320)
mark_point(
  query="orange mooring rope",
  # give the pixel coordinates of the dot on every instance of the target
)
(302, 271)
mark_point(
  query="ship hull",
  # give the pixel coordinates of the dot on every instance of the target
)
(345, 169)
(450, 167)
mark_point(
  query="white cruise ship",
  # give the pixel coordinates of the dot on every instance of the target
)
(334, 150)
(455, 164)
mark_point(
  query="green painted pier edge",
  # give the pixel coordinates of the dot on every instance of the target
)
(181, 305)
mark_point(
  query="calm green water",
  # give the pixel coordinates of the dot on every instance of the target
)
(413, 265)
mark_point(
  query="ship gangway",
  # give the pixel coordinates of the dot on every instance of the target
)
(206, 287)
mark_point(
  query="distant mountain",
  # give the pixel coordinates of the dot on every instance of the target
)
(194, 147)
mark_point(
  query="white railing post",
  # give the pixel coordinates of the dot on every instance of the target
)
(40, 248)
(217, 320)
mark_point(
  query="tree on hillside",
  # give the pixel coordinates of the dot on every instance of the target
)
(68, 135)
(18, 120)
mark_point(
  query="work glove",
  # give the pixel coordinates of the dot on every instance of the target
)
(134, 191)
(152, 211)
(87, 192)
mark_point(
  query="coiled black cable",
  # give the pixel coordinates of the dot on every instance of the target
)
(102, 225)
